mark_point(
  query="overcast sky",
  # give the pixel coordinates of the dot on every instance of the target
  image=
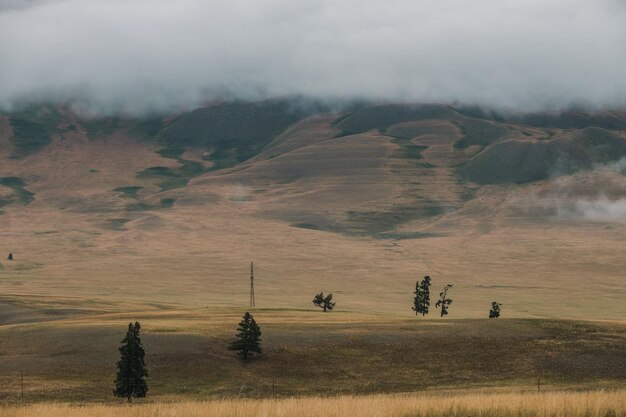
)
(137, 55)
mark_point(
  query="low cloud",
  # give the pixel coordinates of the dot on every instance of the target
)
(601, 209)
(595, 195)
(619, 166)
(140, 55)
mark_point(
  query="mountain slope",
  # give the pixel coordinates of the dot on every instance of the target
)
(170, 210)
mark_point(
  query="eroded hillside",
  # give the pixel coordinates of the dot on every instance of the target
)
(169, 210)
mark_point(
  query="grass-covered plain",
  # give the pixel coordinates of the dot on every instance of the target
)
(111, 222)
(68, 353)
(445, 404)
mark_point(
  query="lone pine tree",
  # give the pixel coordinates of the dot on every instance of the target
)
(494, 313)
(248, 338)
(325, 303)
(131, 368)
(444, 302)
(421, 301)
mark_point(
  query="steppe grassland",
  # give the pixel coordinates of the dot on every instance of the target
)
(479, 404)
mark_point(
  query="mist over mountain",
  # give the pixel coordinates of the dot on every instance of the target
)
(138, 56)
(437, 132)
(445, 179)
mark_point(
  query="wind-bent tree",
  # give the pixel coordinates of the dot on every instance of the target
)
(325, 303)
(494, 313)
(421, 301)
(248, 338)
(444, 302)
(130, 381)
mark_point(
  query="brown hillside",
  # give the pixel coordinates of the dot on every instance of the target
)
(360, 206)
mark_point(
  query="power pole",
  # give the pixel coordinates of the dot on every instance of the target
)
(252, 302)
(22, 384)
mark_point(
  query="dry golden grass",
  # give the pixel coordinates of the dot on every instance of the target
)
(87, 262)
(550, 404)
(77, 241)
(72, 358)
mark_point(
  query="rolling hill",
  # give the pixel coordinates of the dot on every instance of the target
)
(157, 218)
(169, 210)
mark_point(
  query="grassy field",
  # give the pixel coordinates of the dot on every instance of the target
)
(451, 404)
(109, 228)
(69, 353)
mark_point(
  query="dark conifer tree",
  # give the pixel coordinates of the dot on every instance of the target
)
(325, 303)
(444, 302)
(421, 301)
(248, 338)
(426, 294)
(494, 313)
(131, 368)
(417, 298)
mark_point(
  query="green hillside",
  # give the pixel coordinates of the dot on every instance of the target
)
(232, 132)
(520, 161)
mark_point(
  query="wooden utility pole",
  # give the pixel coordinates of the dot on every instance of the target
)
(252, 301)
(22, 384)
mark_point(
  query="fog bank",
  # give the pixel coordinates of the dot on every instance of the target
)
(139, 55)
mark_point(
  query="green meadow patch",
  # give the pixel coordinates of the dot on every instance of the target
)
(177, 177)
(478, 132)
(408, 149)
(33, 127)
(17, 185)
(28, 137)
(130, 191)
